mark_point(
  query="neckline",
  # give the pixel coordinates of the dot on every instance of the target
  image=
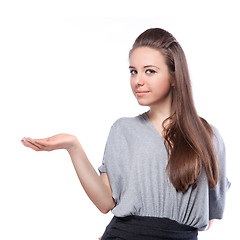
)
(150, 124)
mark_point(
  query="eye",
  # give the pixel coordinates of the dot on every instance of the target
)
(133, 72)
(150, 71)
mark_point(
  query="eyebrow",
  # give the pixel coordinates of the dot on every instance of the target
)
(146, 66)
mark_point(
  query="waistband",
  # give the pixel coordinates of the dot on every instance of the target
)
(148, 228)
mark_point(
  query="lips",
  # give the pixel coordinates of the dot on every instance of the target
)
(141, 93)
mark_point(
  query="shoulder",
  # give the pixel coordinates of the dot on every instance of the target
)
(216, 131)
(217, 139)
(121, 130)
(127, 122)
(127, 126)
(219, 147)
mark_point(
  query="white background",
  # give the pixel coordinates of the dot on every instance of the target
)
(64, 68)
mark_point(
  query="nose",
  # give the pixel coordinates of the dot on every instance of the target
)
(139, 80)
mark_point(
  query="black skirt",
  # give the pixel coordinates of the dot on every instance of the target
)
(148, 228)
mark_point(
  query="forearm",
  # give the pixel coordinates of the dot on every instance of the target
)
(99, 193)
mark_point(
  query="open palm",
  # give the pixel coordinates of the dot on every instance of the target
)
(59, 141)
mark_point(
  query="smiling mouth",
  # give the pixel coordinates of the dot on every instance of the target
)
(141, 93)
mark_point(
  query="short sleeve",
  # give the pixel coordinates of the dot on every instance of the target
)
(217, 196)
(102, 168)
(114, 158)
(109, 148)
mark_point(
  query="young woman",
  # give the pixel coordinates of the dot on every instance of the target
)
(163, 172)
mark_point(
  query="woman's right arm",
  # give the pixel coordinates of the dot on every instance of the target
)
(97, 187)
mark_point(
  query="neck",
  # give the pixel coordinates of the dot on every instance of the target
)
(158, 115)
(160, 112)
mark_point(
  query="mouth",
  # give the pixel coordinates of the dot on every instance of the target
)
(141, 93)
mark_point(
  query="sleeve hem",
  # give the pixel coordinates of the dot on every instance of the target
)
(102, 169)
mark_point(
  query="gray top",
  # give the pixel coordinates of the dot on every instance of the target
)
(135, 160)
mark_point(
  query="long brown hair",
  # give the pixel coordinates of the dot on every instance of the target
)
(188, 137)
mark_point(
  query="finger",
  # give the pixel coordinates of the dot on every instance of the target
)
(40, 142)
(36, 142)
(45, 143)
(30, 145)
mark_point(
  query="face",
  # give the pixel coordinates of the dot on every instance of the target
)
(150, 80)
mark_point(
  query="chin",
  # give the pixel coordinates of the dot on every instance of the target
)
(143, 103)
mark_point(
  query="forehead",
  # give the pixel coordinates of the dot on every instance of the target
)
(146, 56)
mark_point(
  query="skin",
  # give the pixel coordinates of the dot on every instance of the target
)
(97, 187)
(151, 83)
(152, 86)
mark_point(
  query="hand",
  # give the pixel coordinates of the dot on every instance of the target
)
(59, 141)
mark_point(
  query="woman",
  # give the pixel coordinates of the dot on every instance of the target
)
(163, 172)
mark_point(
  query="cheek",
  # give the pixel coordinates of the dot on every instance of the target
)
(132, 84)
(161, 87)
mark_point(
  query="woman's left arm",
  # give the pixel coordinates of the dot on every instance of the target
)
(209, 225)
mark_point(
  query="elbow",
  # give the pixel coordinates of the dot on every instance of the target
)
(210, 224)
(208, 227)
(108, 208)
(104, 211)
